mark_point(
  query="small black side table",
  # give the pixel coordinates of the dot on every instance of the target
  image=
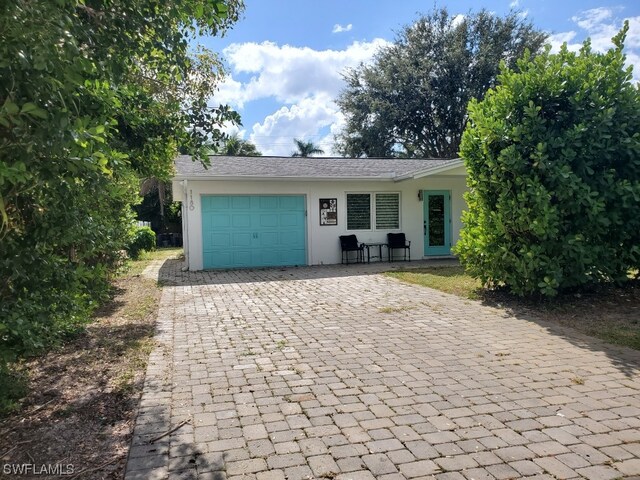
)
(379, 256)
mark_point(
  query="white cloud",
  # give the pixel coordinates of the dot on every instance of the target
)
(289, 73)
(229, 92)
(600, 25)
(593, 18)
(633, 36)
(457, 20)
(514, 4)
(633, 58)
(337, 28)
(305, 119)
(231, 129)
(304, 80)
(557, 39)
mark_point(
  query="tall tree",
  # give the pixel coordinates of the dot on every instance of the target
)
(306, 149)
(94, 95)
(236, 146)
(412, 100)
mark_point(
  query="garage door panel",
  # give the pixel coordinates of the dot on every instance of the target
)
(253, 231)
(241, 239)
(270, 258)
(241, 220)
(292, 239)
(220, 240)
(215, 203)
(297, 256)
(221, 258)
(268, 220)
(217, 220)
(269, 239)
(268, 203)
(205, 204)
(241, 258)
(240, 202)
(291, 219)
(291, 203)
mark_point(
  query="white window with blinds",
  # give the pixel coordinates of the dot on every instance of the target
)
(387, 211)
(358, 211)
(373, 211)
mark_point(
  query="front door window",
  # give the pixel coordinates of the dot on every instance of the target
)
(436, 220)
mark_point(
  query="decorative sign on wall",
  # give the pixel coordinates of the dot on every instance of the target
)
(328, 211)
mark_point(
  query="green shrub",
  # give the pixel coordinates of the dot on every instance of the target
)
(57, 272)
(13, 386)
(553, 160)
(142, 238)
(80, 125)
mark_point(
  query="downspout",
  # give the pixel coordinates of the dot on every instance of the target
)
(185, 225)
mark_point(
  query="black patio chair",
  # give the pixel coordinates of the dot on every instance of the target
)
(397, 241)
(348, 244)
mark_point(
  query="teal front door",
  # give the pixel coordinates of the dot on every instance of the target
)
(240, 231)
(437, 222)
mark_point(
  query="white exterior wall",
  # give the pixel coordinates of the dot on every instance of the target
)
(323, 246)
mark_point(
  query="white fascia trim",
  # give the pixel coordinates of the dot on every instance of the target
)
(430, 171)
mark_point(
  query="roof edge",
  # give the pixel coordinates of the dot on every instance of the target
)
(262, 178)
(455, 163)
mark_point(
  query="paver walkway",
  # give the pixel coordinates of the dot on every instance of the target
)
(334, 372)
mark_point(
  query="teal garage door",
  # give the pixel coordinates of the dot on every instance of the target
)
(253, 231)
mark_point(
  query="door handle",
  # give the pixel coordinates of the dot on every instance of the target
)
(425, 228)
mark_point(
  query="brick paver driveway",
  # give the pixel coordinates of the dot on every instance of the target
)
(333, 372)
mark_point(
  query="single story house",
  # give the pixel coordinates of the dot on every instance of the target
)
(283, 211)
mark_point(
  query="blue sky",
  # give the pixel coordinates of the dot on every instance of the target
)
(285, 57)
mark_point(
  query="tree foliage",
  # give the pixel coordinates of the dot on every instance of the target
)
(239, 147)
(412, 100)
(157, 206)
(306, 149)
(553, 159)
(141, 238)
(94, 95)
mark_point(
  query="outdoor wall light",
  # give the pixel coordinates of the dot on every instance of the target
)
(420, 195)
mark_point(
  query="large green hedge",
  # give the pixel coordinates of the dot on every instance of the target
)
(94, 95)
(553, 160)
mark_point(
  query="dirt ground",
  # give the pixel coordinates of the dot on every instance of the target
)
(80, 409)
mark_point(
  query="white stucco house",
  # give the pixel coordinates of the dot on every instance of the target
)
(283, 211)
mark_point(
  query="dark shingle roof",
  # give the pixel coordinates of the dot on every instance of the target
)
(312, 167)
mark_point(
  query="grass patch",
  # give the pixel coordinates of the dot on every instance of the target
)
(395, 309)
(450, 279)
(136, 267)
(137, 353)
